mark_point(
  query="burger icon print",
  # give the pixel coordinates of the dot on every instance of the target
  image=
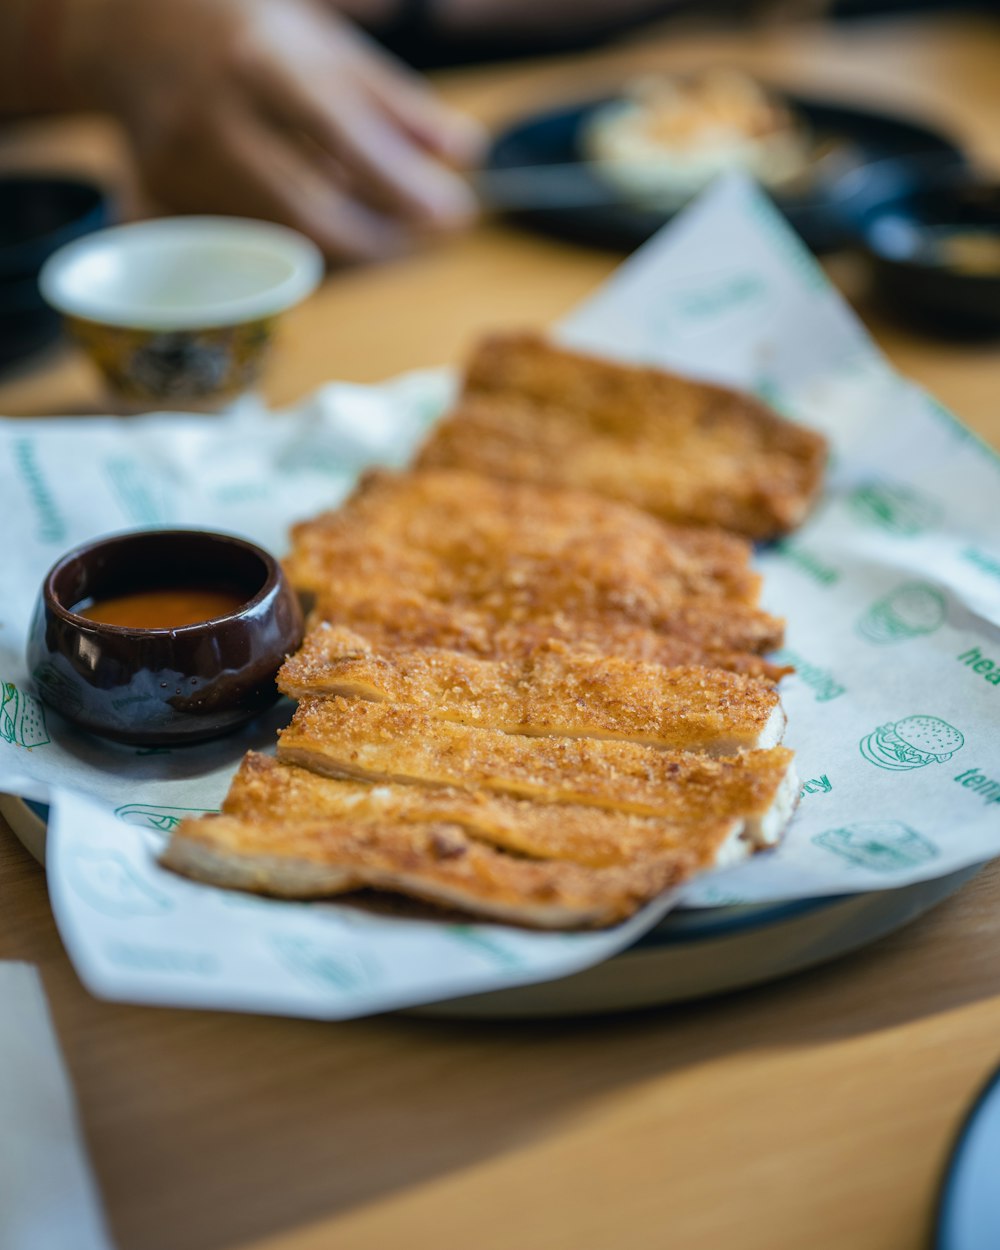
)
(910, 610)
(912, 742)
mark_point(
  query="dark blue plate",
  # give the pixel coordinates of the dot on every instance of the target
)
(968, 1212)
(553, 138)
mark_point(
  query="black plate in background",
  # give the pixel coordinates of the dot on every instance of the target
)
(552, 138)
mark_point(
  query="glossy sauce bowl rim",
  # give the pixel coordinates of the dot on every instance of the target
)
(272, 580)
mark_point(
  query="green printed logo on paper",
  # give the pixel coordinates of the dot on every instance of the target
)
(163, 819)
(879, 845)
(987, 788)
(909, 611)
(816, 785)
(913, 742)
(22, 718)
(140, 495)
(491, 948)
(894, 506)
(984, 561)
(51, 526)
(987, 668)
(170, 961)
(820, 680)
(810, 563)
(707, 299)
(715, 296)
(346, 970)
(107, 881)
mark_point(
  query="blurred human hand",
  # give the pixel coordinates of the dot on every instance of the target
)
(280, 109)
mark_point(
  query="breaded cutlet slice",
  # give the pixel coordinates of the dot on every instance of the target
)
(553, 691)
(451, 534)
(729, 639)
(286, 831)
(391, 617)
(684, 450)
(438, 864)
(389, 742)
(265, 791)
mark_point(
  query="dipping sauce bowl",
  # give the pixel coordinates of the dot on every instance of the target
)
(171, 685)
(180, 312)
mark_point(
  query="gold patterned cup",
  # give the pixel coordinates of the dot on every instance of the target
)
(180, 312)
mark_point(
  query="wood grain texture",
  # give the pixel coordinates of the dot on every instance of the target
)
(814, 1112)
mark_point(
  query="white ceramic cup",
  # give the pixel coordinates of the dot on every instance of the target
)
(180, 312)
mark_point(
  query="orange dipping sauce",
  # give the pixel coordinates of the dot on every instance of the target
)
(170, 608)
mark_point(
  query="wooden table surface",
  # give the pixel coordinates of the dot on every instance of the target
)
(815, 1112)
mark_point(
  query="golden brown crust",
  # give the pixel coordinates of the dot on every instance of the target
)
(388, 742)
(268, 792)
(452, 560)
(511, 691)
(455, 535)
(438, 863)
(724, 636)
(684, 450)
(393, 624)
(551, 691)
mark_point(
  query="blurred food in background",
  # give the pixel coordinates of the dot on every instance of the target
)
(669, 135)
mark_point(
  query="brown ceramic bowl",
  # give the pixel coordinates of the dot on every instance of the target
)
(162, 687)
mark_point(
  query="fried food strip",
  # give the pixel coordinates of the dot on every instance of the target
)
(682, 449)
(553, 691)
(512, 547)
(696, 631)
(436, 862)
(268, 792)
(288, 832)
(379, 742)
(425, 557)
(406, 623)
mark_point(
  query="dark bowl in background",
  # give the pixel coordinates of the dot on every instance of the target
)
(162, 687)
(38, 214)
(898, 214)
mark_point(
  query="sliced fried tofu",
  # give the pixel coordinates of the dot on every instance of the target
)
(729, 640)
(269, 792)
(378, 742)
(451, 535)
(438, 863)
(684, 450)
(724, 634)
(534, 703)
(552, 691)
(451, 560)
(288, 832)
